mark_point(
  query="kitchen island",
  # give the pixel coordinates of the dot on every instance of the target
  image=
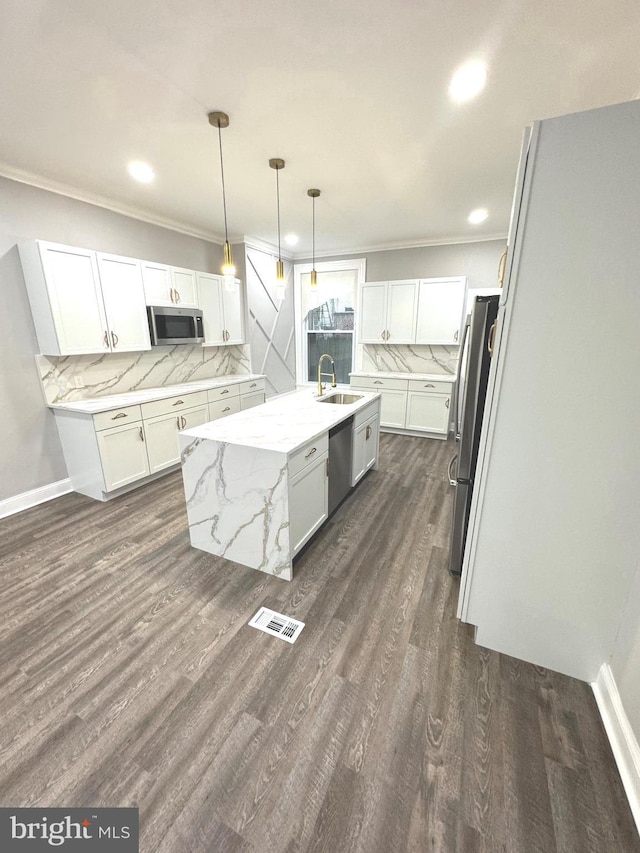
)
(256, 483)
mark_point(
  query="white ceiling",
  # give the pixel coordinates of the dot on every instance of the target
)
(352, 94)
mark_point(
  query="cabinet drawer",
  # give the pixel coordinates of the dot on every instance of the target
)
(223, 408)
(430, 386)
(367, 412)
(252, 387)
(223, 393)
(299, 459)
(174, 404)
(368, 383)
(116, 417)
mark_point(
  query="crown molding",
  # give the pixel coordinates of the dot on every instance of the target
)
(409, 244)
(263, 246)
(42, 183)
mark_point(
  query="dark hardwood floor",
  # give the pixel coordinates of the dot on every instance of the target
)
(129, 677)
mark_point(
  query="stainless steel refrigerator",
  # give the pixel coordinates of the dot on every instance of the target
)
(469, 408)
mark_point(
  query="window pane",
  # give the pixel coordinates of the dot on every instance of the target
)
(338, 346)
(331, 315)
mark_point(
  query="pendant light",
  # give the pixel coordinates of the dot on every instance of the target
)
(281, 285)
(220, 120)
(314, 275)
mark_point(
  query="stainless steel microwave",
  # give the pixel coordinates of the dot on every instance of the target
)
(170, 326)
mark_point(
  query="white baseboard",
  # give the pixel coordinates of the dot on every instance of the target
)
(10, 506)
(624, 743)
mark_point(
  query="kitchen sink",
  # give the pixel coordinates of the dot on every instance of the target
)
(340, 399)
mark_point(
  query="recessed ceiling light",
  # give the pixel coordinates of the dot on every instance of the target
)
(479, 215)
(468, 81)
(141, 172)
(291, 239)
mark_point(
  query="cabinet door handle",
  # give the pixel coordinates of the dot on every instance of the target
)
(388, 334)
(311, 452)
(326, 466)
(119, 415)
(226, 391)
(114, 339)
(446, 402)
(367, 433)
(502, 266)
(184, 421)
(455, 334)
(141, 434)
(106, 339)
(178, 403)
(171, 292)
(177, 296)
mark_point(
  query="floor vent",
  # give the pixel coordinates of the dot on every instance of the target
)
(285, 627)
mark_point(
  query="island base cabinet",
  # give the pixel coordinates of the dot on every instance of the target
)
(365, 449)
(308, 502)
(429, 412)
(123, 455)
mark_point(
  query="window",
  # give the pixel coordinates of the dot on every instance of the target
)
(326, 317)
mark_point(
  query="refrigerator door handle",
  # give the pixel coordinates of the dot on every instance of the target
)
(452, 482)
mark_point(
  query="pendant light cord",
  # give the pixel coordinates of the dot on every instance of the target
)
(278, 202)
(224, 195)
(313, 233)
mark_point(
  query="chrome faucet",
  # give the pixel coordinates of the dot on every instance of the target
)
(320, 375)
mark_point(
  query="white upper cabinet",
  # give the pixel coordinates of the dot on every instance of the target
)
(83, 302)
(123, 296)
(222, 310)
(165, 285)
(440, 305)
(388, 312)
(185, 289)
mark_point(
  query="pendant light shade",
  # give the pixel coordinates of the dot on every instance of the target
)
(314, 275)
(281, 285)
(228, 270)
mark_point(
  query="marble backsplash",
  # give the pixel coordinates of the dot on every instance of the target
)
(68, 378)
(410, 359)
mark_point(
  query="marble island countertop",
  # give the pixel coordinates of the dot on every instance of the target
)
(133, 398)
(423, 377)
(283, 424)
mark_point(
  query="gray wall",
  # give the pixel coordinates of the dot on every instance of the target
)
(625, 661)
(477, 261)
(30, 453)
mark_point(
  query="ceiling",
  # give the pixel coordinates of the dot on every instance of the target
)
(352, 94)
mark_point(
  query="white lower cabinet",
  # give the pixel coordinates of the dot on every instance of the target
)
(308, 501)
(123, 455)
(429, 412)
(364, 449)
(248, 401)
(419, 405)
(161, 434)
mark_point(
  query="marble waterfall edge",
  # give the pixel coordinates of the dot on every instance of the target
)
(232, 492)
(66, 379)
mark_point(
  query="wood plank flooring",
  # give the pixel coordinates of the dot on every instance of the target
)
(128, 676)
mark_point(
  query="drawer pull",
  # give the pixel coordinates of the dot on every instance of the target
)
(227, 409)
(429, 385)
(378, 382)
(310, 453)
(253, 385)
(226, 391)
(119, 415)
(178, 403)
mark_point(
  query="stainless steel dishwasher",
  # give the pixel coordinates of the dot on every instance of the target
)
(339, 462)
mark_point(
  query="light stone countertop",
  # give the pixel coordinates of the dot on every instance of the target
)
(283, 424)
(146, 395)
(423, 377)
